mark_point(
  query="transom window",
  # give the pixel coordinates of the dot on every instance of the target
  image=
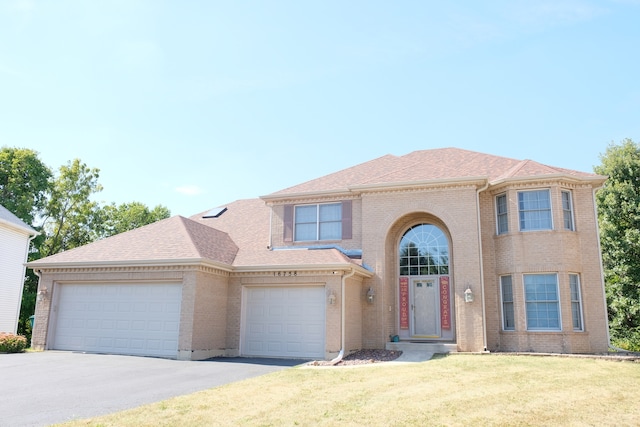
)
(318, 222)
(424, 250)
(501, 213)
(542, 305)
(535, 210)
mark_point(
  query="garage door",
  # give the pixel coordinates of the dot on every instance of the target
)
(284, 322)
(138, 319)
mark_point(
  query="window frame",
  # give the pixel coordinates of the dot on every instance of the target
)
(504, 216)
(318, 222)
(539, 304)
(577, 315)
(567, 212)
(531, 212)
(508, 310)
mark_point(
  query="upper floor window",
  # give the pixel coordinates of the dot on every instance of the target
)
(315, 222)
(567, 210)
(501, 214)
(318, 222)
(542, 304)
(535, 210)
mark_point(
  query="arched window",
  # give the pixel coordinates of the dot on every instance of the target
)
(424, 251)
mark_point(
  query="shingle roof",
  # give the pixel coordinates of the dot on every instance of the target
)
(239, 236)
(176, 238)
(428, 165)
(7, 217)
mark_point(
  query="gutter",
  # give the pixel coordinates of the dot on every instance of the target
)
(484, 311)
(343, 315)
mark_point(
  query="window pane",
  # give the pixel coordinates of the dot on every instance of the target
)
(306, 232)
(426, 247)
(501, 209)
(305, 214)
(508, 317)
(331, 230)
(576, 304)
(535, 210)
(542, 305)
(567, 210)
(332, 212)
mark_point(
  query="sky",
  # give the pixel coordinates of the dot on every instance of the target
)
(194, 104)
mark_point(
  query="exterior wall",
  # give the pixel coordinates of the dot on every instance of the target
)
(331, 282)
(49, 279)
(14, 247)
(555, 251)
(354, 301)
(388, 215)
(203, 315)
(277, 228)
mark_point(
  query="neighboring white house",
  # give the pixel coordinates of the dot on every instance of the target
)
(15, 237)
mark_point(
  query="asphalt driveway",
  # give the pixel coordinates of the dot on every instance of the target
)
(39, 389)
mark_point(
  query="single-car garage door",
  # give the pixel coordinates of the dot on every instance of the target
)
(138, 319)
(284, 322)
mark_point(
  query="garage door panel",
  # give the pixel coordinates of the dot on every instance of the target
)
(119, 318)
(284, 322)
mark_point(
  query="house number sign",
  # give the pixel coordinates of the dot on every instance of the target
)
(285, 273)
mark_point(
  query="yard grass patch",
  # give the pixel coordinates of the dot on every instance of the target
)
(451, 390)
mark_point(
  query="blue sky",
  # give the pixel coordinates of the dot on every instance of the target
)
(194, 104)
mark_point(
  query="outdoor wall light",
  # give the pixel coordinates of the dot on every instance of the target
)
(370, 295)
(468, 295)
(42, 293)
(332, 298)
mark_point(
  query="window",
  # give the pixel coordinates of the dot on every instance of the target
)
(535, 210)
(318, 222)
(567, 210)
(576, 304)
(508, 318)
(541, 298)
(501, 213)
(424, 251)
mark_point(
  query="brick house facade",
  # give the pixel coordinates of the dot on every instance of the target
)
(391, 248)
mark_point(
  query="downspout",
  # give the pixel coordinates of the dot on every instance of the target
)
(24, 273)
(343, 315)
(484, 313)
(604, 291)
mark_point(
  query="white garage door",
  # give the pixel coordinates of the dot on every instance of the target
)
(284, 322)
(139, 319)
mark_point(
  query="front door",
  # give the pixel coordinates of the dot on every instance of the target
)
(426, 313)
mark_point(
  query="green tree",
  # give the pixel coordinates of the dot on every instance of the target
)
(127, 216)
(71, 218)
(619, 219)
(24, 182)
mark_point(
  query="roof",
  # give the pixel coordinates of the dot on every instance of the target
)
(176, 239)
(430, 165)
(237, 234)
(9, 219)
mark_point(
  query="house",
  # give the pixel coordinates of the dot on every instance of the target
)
(15, 237)
(467, 251)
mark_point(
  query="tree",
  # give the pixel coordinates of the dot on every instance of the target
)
(619, 220)
(127, 216)
(71, 218)
(24, 182)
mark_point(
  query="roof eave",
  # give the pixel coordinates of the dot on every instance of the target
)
(129, 263)
(25, 230)
(306, 194)
(340, 269)
(472, 180)
(598, 180)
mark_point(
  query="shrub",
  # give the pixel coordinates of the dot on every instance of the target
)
(11, 343)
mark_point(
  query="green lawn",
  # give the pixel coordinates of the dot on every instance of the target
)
(478, 390)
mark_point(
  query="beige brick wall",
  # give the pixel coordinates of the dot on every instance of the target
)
(558, 251)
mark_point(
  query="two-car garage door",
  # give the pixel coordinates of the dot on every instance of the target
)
(286, 321)
(137, 319)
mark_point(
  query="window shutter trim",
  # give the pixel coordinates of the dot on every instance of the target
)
(347, 232)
